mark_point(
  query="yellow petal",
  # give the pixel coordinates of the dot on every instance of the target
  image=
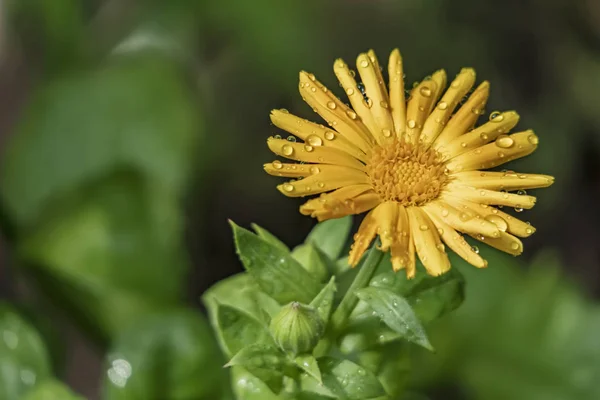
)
(503, 180)
(329, 177)
(465, 117)
(357, 100)
(418, 107)
(403, 247)
(313, 154)
(378, 101)
(457, 242)
(344, 201)
(502, 220)
(484, 134)
(461, 219)
(314, 133)
(363, 238)
(290, 170)
(387, 220)
(504, 149)
(436, 121)
(486, 196)
(342, 118)
(397, 101)
(506, 243)
(427, 242)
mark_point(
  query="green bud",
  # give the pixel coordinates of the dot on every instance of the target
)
(297, 328)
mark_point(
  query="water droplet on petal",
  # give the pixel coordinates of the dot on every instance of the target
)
(287, 150)
(291, 139)
(475, 249)
(329, 135)
(483, 136)
(314, 140)
(349, 91)
(514, 246)
(387, 133)
(277, 164)
(518, 208)
(533, 139)
(496, 116)
(364, 63)
(500, 223)
(351, 114)
(445, 212)
(331, 105)
(521, 192)
(442, 105)
(425, 91)
(308, 148)
(504, 141)
(411, 123)
(314, 169)
(424, 227)
(277, 136)
(288, 187)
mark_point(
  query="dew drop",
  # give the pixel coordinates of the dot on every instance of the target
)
(364, 63)
(308, 148)
(496, 116)
(522, 192)
(288, 187)
(442, 105)
(321, 184)
(349, 91)
(425, 91)
(445, 212)
(331, 105)
(475, 249)
(518, 209)
(411, 123)
(529, 231)
(314, 169)
(351, 114)
(483, 136)
(291, 139)
(514, 246)
(329, 135)
(287, 150)
(387, 133)
(463, 145)
(504, 141)
(277, 136)
(424, 227)
(277, 164)
(314, 140)
(533, 139)
(500, 223)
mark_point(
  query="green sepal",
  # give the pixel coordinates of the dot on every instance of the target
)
(266, 362)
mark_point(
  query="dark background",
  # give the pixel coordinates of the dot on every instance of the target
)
(202, 77)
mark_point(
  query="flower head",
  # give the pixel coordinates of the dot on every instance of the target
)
(415, 164)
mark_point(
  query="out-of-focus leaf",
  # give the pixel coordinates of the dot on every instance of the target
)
(347, 380)
(309, 257)
(269, 237)
(137, 115)
(323, 302)
(23, 357)
(277, 273)
(266, 362)
(111, 256)
(397, 313)
(395, 368)
(330, 236)
(248, 387)
(237, 291)
(237, 329)
(51, 390)
(309, 364)
(170, 356)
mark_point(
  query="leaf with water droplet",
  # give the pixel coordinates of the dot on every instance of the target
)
(309, 364)
(344, 379)
(330, 236)
(323, 302)
(276, 271)
(269, 237)
(236, 329)
(400, 318)
(266, 362)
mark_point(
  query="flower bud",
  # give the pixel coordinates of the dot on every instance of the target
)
(297, 328)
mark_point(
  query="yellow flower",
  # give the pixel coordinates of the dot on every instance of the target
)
(415, 164)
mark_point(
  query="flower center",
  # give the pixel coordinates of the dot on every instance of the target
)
(406, 173)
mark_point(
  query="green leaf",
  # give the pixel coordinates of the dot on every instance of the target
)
(23, 357)
(238, 291)
(236, 329)
(430, 296)
(277, 273)
(396, 313)
(170, 356)
(311, 259)
(51, 389)
(323, 302)
(112, 256)
(138, 114)
(248, 387)
(331, 236)
(266, 362)
(309, 364)
(348, 380)
(269, 237)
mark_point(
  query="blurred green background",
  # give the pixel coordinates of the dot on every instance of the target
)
(132, 130)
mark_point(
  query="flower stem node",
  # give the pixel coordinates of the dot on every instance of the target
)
(297, 328)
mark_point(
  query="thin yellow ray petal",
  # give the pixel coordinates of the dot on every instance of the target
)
(344, 201)
(438, 118)
(387, 220)
(357, 100)
(486, 196)
(312, 132)
(403, 248)
(508, 180)
(363, 237)
(313, 154)
(290, 170)
(465, 117)
(440, 79)
(456, 241)
(427, 242)
(329, 177)
(417, 109)
(397, 100)
(460, 219)
(506, 148)
(338, 115)
(482, 135)
(505, 222)
(506, 243)
(368, 68)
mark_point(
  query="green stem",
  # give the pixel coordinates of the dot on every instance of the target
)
(362, 279)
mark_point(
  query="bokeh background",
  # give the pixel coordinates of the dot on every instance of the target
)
(131, 131)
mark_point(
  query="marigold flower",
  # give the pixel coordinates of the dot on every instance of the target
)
(415, 164)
